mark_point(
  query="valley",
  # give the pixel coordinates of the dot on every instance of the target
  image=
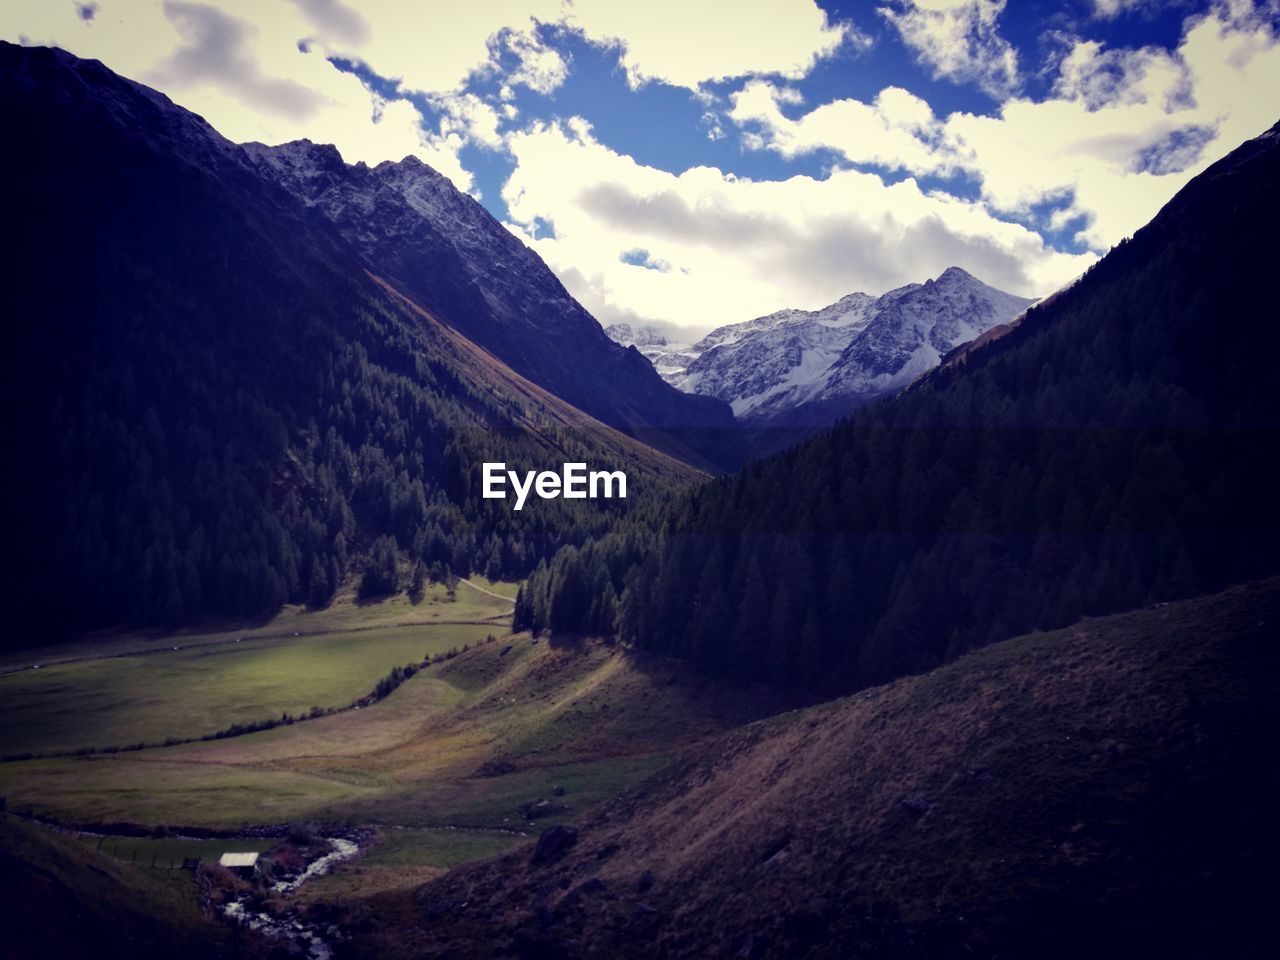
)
(938, 622)
(975, 804)
(465, 742)
(499, 737)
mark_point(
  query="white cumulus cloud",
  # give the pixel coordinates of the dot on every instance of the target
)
(255, 71)
(898, 130)
(738, 248)
(688, 44)
(1125, 130)
(959, 40)
(1120, 132)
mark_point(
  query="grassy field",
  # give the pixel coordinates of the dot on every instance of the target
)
(465, 743)
(169, 852)
(472, 603)
(199, 689)
(402, 858)
(500, 587)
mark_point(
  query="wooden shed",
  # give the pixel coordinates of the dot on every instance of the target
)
(241, 864)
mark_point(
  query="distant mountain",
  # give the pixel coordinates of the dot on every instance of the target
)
(669, 357)
(807, 367)
(646, 336)
(233, 396)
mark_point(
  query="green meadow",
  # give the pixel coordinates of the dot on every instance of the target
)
(466, 743)
(169, 852)
(478, 601)
(189, 690)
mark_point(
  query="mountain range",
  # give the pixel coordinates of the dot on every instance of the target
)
(808, 367)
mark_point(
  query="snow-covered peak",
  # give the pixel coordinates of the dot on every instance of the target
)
(855, 349)
(646, 336)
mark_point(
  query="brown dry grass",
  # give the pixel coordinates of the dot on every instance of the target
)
(1089, 790)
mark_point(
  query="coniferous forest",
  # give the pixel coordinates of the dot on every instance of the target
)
(221, 414)
(1118, 448)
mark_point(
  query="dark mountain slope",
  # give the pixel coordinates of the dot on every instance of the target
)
(1100, 791)
(440, 247)
(221, 409)
(1116, 446)
(63, 898)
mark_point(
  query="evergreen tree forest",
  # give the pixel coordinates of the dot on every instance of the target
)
(1118, 448)
(221, 415)
(188, 484)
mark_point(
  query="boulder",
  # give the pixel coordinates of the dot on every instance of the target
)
(553, 843)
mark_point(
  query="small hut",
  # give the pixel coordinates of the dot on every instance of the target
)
(241, 864)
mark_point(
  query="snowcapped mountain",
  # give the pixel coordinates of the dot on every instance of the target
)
(809, 366)
(646, 336)
(669, 357)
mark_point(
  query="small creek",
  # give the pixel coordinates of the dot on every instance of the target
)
(308, 936)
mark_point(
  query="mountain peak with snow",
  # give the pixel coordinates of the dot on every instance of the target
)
(815, 365)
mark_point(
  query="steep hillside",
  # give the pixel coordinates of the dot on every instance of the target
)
(1113, 448)
(1099, 791)
(439, 247)
(64, 899)
(226, 410)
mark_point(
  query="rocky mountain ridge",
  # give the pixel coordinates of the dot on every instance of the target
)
(813, 365)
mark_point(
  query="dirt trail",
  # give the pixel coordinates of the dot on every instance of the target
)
(488, 592)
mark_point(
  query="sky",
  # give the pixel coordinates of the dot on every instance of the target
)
(702, 162)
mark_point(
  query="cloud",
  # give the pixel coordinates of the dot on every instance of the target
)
(1110, 9)
(1119, 133)
(735, 248)
(434, 47)
(958, 40)
(540, 67)
(214, 49)
(336, 20)
(1125, 130)
(688, 44)
(898, 130)
(241, 66)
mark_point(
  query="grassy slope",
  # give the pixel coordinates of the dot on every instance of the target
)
(62, 898)
(584, 717)
(203, 687)
(402, 858)
(346, 613)
(1104, 790)
(547, 418)
(163, 851)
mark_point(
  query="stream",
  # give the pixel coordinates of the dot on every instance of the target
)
(308, 936)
